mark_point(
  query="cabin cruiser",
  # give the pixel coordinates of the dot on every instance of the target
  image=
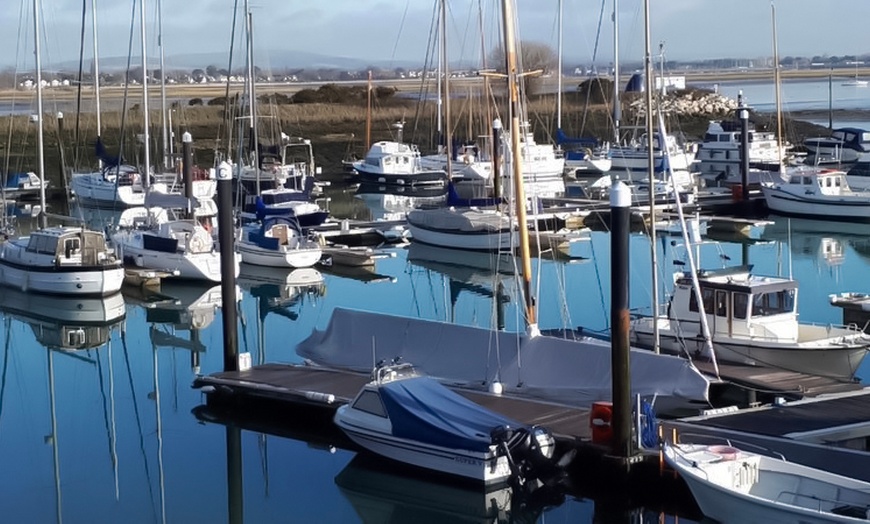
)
(752, 320)
(844, 146)
(719, 156)
(817, 192)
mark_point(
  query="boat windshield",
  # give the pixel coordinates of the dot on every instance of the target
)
(773, 303)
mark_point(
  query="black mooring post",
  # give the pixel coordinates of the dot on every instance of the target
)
(226, 231)
(187, 166)
(620, 218)
(743, 115)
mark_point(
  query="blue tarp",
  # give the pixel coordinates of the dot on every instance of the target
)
(14, 180)
(422, 409)
(562, 138)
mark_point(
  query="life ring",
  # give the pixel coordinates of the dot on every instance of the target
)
(198, 242)
(600, 421)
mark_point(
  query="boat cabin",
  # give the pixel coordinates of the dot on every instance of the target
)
(70, 246)
(393, 157)
(822, 182)
(738, 304)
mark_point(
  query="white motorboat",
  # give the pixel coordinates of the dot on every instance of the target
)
(817, 192)
(278, 242)
(148, 238)
(396, 163)
(844, 145)
(22, 186)
(61, 260)
(752, 320)
(630, 162)
(414, 419)
(731, 485)
(471, 228)
(719, 156)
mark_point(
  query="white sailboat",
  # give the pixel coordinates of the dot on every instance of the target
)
(148, 238)
(61, 260)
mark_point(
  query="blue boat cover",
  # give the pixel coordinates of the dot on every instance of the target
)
(422, 409)
(14, 180)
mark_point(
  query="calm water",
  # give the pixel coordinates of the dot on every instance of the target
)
(107, 434)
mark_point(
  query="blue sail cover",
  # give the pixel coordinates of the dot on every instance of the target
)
(421, 409)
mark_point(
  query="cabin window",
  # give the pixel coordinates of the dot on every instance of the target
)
(43, 244)
(773, 303)
(837, 182)
(707, 296)
(388, 160)
(741, 301)
(370, 402)
(722, 304)
(807, 181)
(827, 182)
(71, 246)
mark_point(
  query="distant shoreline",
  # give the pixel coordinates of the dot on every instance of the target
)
(215, 89)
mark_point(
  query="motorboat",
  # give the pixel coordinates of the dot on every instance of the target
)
(278, 242)
(817, 192)
(719, 156)
(411, 418)
(732, 485)
(396, 163)
(858, 175)
(61, 260)
(630, 162)
(470, 228)
(22, 186)
(845, 145)
(752, 320)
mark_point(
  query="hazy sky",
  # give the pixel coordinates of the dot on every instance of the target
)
(387, 30)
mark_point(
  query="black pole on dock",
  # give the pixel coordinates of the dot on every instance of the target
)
(743, 115)
(187, 169)
(620, 223)
(226, 231)
(496, 160)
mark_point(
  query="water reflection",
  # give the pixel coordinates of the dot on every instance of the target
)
(395, 206)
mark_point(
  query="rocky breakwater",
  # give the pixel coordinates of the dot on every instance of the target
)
(690, 103)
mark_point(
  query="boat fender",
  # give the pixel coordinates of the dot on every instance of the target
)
(600, 420)
(326, 398)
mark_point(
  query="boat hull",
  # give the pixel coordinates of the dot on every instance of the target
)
(485, 467)
(27, 271)
(402, 179)
(783, 202)
(824, 358)
(289, 258)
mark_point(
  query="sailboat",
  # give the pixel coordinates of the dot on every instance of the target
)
(148, 237)
(530, 364)
(64, 260)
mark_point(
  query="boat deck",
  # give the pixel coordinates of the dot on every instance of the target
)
(776, 381)
(329, 388)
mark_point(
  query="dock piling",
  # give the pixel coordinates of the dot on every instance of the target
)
(620, 223)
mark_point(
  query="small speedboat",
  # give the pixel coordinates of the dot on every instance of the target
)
(411, 418)
(733, 485)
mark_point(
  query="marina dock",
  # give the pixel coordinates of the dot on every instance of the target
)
(327, 389)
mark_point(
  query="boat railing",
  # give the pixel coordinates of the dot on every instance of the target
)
(732, 442)
(387, 372)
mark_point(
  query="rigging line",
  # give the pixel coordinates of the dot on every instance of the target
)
(105, 403)
(124, 101)
(18, 38)
(137, 416)
(398, 36)
(79, 88)
(424, 79)
(5, 363)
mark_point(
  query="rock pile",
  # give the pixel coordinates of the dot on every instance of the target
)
(692, 103)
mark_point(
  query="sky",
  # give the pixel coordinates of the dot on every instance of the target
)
(397, 30)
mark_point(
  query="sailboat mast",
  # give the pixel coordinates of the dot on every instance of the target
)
(559, 73)
(96, 72)
(146, 121)
(369, 112)
(448, 136)
(513, 77)
(776, 84)
(650, 150)
(40, 143)
(252, 95)
(166, 157)
(617, 110)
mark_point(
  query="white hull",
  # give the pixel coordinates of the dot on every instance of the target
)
(498, 237)
(39, 273)
(855, 207)
(740, 487)
(192, 266)
(487, 468)
(824, 357)
(286, 258)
